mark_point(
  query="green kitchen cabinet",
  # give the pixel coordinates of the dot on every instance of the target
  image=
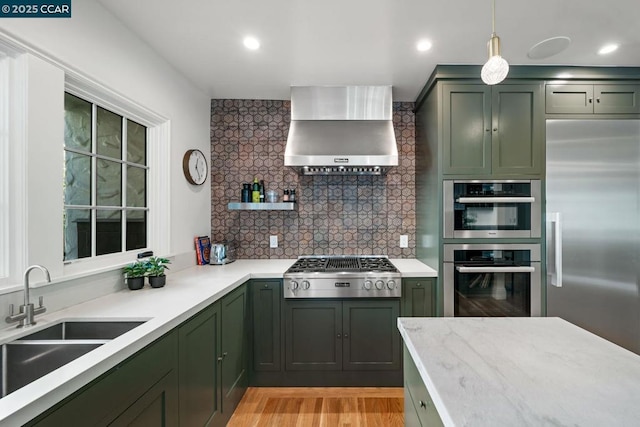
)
(329, 335)
(592, 98)
(265, 297)
(142, 389)
(492, 131)
(419, 297)
(199, 368)
(234, 371)
(420, 410)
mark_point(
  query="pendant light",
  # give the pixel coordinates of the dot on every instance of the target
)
(496, 68)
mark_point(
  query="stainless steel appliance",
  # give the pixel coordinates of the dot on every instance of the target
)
(593, 211)
(492, 209)
(492, 280)
(342, 277)
(222, 253)
(341, 130)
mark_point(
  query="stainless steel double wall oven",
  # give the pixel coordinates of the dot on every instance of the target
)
(490, 276)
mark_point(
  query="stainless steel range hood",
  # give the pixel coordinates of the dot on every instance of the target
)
(341, 130)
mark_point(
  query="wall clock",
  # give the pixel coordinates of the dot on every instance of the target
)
(194, 166)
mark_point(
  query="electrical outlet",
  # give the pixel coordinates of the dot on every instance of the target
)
(404, 241)
(273, 241)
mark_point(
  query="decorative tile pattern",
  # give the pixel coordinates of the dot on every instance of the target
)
(337, 215)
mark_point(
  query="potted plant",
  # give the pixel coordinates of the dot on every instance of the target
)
(155, 267)
(134, 274)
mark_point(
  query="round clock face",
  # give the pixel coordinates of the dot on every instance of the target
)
(194, 165)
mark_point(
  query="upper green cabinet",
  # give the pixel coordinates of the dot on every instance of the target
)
(496, 130)
(592, 99)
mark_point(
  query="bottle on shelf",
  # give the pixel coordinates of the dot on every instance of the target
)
(246, 193)
(292, 195)
(255, 193)
(285, 197)
(262, 191)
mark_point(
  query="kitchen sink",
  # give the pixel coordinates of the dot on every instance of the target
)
(28, 358)
(82, 330)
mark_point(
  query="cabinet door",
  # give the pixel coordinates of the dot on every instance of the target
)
(518, 129)
(371, 340)
(417, 391)
(152, 409)
(466, 120)
(199, 346)
(616, 99)
(313, 335)
(569, 99)
(419, 297)
(234, 373)
(265, 299)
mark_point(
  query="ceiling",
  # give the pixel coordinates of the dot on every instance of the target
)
(363, 42)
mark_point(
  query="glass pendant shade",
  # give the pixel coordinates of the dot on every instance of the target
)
(496, 68)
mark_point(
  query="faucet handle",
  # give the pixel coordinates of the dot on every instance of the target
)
(10, 309)
(40, 301)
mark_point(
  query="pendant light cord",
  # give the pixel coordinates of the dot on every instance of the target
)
(493, 18)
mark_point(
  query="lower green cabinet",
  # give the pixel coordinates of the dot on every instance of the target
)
(200, 397)
(419, 297)
(418, 406)
(265, 296)
(142, 390)
(194, 375)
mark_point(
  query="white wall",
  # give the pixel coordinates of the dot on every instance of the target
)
(97, 46)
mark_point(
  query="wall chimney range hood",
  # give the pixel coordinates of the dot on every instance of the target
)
(341, 130)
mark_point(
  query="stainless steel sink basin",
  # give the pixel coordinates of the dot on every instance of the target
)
(35, 355)
(83, 330)
(26, 361)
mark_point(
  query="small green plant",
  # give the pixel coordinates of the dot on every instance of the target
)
(155, 266)
(136, 269)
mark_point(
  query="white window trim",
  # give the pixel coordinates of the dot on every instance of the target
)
(158, 134)
(14, 178)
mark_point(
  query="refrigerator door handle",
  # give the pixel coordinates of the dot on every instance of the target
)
(555, 264)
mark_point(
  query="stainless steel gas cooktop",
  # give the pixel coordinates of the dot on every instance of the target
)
(342, 277)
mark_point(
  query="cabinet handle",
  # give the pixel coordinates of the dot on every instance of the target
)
(422, 404)
(339, 336)
(487, 130)
(266, 286)
(219, 359)
(346, 335)
(418, 284)
(224, 354)
(598, 100)
(495, 129)
(590, 100)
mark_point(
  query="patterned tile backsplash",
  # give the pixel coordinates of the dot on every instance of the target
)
(336, 215)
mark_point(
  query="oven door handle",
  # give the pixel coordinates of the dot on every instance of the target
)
(509, 269)
(490, 199)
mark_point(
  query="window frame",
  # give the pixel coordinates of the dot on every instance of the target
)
(94, 207)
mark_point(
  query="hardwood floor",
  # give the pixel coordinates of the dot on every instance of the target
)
(320, 406)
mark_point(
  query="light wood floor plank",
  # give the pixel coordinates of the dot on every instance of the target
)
(320, 406)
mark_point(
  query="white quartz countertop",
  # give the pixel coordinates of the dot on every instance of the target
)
(523, 372)
(186, 293)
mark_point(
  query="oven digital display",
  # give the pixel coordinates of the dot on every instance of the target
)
(343, 284)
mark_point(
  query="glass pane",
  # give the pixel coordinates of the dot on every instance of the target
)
(77, 179)
(108, 232)
(136, 143)
(77, 123)
(136, 229)
(109, 130)
(109, 183)
(136, 187)
(77, 233)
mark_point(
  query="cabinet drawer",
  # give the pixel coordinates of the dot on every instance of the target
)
(569, 99)
(416, 390)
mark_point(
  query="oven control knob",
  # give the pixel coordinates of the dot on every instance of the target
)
(293, 285)
(391, 284)
(379, 285)
(305, 284)
(367, 284)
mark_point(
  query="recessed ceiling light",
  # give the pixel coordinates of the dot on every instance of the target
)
(608, 49)
(423, 45)
(251, 43)
(549, 47)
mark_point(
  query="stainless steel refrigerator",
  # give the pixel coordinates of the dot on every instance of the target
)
(593, 226)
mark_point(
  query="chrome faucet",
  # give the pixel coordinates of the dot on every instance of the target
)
(28, 310)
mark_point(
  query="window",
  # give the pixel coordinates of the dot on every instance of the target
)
(105, 181)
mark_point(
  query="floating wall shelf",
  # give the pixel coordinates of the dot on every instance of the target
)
(283, 206)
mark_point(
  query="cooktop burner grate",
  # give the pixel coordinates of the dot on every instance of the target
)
(343, 264)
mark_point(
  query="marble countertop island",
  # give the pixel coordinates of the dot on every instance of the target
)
(523, 372)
